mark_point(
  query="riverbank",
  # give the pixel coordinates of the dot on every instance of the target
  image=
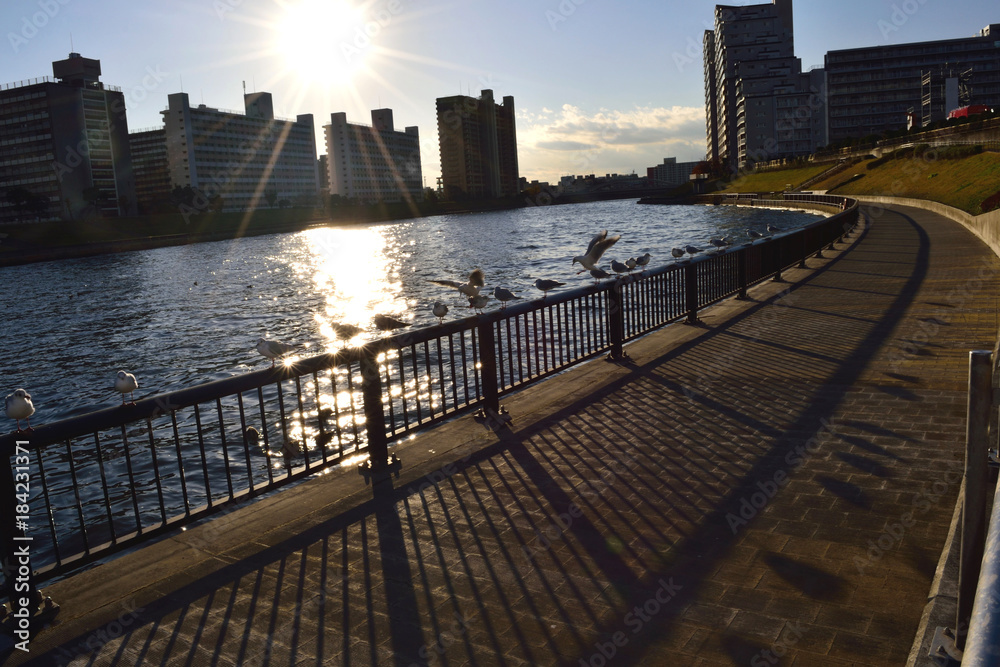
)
(30, 243)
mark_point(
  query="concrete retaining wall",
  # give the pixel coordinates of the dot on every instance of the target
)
(985, 226)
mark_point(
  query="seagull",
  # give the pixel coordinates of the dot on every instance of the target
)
(19, 406)
(718, 242)
(599, 275)
(619, 267)
(125, 383)
(643, 261)
(692, 250)
(677, 253)
(386, 323)
(440, 310)
(345, 331)
(772, 229)
(272, 349)
(545, 285)
(631, 263)
(478, 302)
(504, 295)
(754, 234)
(471, 288)
(598, 246)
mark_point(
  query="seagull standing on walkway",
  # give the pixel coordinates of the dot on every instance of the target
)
(598, 246)
(503, 296)
(19, 406)
(545, 285)
(125, 383)
(470, 288)
(273, 349)
(440, 310)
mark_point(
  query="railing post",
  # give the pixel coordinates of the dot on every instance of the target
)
(488, 365)
(691, 292)
(741, 271)
(976, 479)
(616, 321)
(371, 392)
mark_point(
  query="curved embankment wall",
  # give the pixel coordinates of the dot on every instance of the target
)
(985, 226)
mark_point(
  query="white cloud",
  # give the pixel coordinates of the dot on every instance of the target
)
(571, 141)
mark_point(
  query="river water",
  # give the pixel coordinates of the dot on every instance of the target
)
(185, 315)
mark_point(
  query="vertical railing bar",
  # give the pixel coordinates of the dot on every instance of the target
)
(225, 448)
(76, 495)
(302, 419)
(388, 389)
(454, 369)
(246, 445)
(204, 460)
(104, 487)
(50, 511)
(264, 435)
(440, 366)
(512, 350)
(416, 382)
(131, 482)
(180, 464)
(354, 409)
(522, 351)
(320, 420)
(336, 411)
(402, 391)
(477, 360)
(156, 472)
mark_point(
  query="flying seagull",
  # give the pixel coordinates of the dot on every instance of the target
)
(470, 288)
(598, 246)
(504, 295)
(125, 383)
(272, 349)
(19, 406)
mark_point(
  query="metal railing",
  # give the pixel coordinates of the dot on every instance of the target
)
(111, 479)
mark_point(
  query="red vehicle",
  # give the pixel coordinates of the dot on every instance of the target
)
(965, 112)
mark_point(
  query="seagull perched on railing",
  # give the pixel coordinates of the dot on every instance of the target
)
(545, 285)
(19, 406)
(692, 250)
(273, 349)
(598, 246)
(504, 295)
(772, 229)
(125, 383)
(677, 253)
(619, 267)
(599, 275)
(387, 323)
(754, 234)
(470, 288)
(643, 261)
(478, 302)
(440, 310)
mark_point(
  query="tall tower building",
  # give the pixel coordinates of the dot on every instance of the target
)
(749, 59)
(373, 163)
(64, 146)
(478, 143)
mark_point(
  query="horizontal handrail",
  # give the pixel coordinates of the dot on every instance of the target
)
(109, 479)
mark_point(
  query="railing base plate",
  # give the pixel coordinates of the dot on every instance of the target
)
(495, 420)
(943, 645)
(371, 473)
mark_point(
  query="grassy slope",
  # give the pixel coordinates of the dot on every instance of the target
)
(962, 183)
(773, 181)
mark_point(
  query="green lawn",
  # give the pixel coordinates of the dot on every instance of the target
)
(774, 181)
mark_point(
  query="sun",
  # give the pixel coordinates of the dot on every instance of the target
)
(322, 41)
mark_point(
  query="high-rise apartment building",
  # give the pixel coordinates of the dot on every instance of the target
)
(759, 104)
(871, 90)
(64, 146)
(373, 163)
(149, 164)
(478, 143)
(248, 160)
(670, 173)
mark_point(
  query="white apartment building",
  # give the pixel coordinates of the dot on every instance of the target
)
(250, 160)
(373, 163)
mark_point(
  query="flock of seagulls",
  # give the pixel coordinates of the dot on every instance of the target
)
(720, 242)
(18, 405)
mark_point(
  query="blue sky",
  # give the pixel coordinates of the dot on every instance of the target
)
(599, 86)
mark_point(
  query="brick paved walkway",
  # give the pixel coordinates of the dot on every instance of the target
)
(771, 487)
